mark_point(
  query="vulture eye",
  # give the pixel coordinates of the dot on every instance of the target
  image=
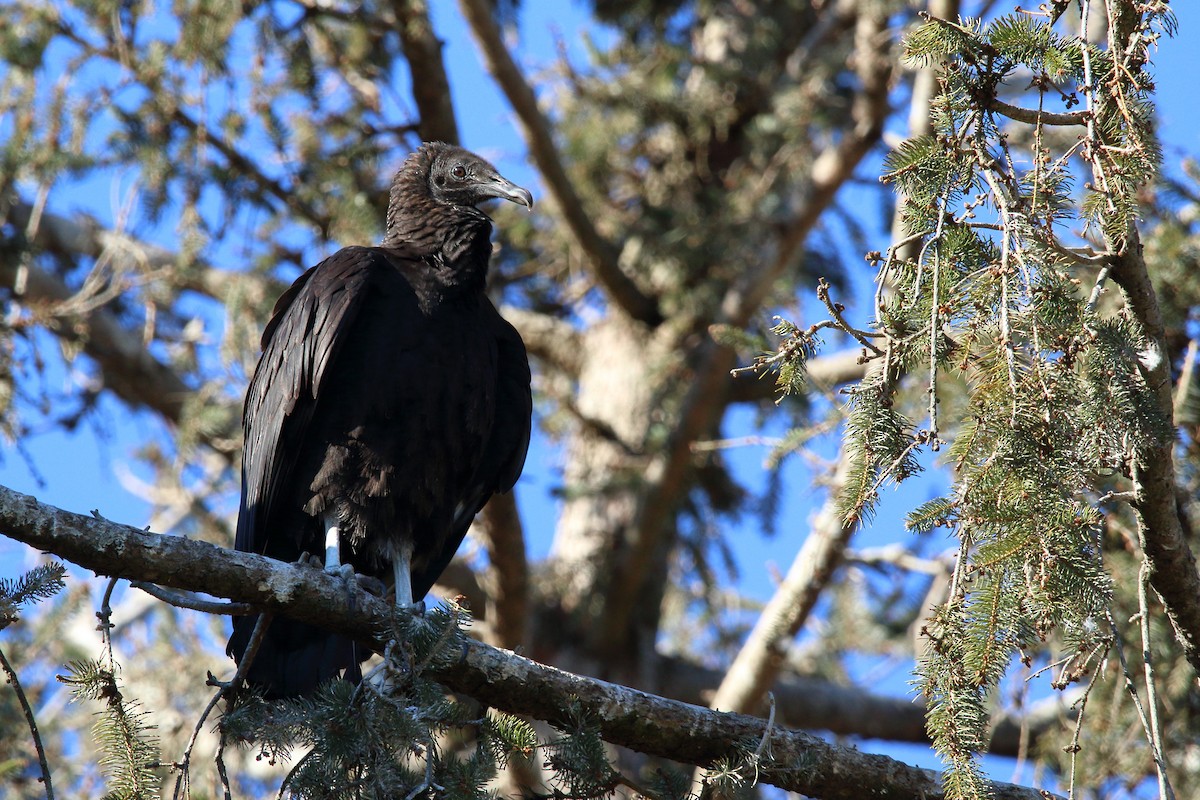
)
(459, 171)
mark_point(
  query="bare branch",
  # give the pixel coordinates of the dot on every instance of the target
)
(508, 571)
(758, 663)
(191, 600)
(10, 676)
(128, 368)
(503, 680)
(824, 371)
(431, 90)
(601, 253)
(1035, 116)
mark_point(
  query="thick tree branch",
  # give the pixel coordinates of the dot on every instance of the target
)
(760, 659)
(127, 367)
(430, 88)
(797, 762)
(1162, 533)
(601, 253)
(667, 476)
(758, 663)
(819, 705)
(82, 235)
(507, 578)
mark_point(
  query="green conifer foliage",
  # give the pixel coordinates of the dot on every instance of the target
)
(1057, 402)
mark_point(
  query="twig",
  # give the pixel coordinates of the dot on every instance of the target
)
(31, 721)
(985, 164)
(428, 782)
(1084, 256)
(1131, 688)
(896, 555)
(1089, 93)
(835, 309)
(1165, 792)
(222, 773)
(881, 281)
(766, 737)
(1074, 747)
(934, 313)
(184, 766)
(105, 615)
(1094, 297)
(1187, 371)
(713, 445)
(190, 600)
(287, 779)
(183, 780)
(1037, 116)
(256, 639)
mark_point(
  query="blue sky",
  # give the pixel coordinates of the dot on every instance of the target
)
(80, 469)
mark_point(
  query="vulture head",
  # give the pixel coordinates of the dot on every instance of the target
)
(434, 198)
(461, 178)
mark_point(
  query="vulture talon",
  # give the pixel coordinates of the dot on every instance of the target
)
(307, 559)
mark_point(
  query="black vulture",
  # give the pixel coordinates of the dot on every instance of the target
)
(391, 400)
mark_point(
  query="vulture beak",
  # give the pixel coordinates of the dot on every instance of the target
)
(496, 186)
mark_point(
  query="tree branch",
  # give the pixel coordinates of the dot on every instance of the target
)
(819, 705)
(758, 663)
(761, 657)
(127, 367)
(82, 235)
(601, 253)
(624, 716)
(1034, 116)
(430, 88)
(1162, 533)
(705, 401)
(267, 186)
(828, 371)
(508, 571)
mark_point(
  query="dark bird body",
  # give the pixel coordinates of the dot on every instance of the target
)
(390, 402)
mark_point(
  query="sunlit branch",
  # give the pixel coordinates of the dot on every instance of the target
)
(601, 254)
(503, 680)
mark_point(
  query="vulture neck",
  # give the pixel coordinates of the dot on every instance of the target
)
(455, 241)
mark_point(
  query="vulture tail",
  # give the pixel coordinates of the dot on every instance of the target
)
(294, 658)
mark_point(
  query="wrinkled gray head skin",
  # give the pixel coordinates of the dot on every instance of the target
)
(459, 177)
(433, 205)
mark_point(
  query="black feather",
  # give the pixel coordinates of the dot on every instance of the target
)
(390, 390)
